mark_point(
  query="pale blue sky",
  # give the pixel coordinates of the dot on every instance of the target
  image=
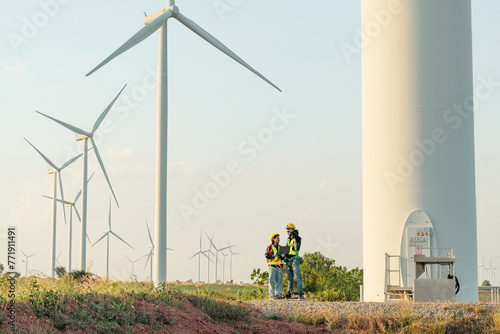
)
(309, 173)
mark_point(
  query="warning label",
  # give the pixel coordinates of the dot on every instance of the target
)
(418, 241)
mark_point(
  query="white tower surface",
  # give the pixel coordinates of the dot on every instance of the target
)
(418, 132)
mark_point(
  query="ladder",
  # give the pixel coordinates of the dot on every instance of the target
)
(393, 291)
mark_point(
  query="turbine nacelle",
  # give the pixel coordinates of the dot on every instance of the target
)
(150, 18)
(79, 138)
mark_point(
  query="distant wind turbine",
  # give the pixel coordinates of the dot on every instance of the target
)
(158, 21)
(106, 234)
(57, 259)
(199, 253)
(85, 136)
(133, 262)
(72, 205)
(218, 250)
(151, 253)
(26, 259)
(56, 172)
(231, 263)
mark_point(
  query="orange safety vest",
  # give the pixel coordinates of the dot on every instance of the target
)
(277, 259)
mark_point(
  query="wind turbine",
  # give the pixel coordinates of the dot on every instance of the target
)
(224, 267)
(133, 262)
(216, 253)
(199, 253)
(72, 205)
(57, 258)
(27, 257)
(151, 254)
(490, 269)
(56, 172)
(231, 263)
(158, 21)
(85, 136)
(106, 234)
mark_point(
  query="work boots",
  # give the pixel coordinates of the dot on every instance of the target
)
(288, 296)
(301, 296)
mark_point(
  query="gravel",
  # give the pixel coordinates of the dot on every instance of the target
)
(293, 308)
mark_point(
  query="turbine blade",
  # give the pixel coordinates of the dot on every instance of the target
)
(149, 233)
(98, 155)
(23, 253)
(62, 196)
(88, 238)
(136, 39)
(215, 42)
(116, 235)
(211, 242)
(105, 112)
(129, 259)
(43, 156)
(80, 192)
(67, 126)
(69, 162)
(105, 234)
(171, 249)
(149, 256)
(193, 255)
(77, 214)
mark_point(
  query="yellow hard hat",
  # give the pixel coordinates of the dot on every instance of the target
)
(290, 226)
(274, 235)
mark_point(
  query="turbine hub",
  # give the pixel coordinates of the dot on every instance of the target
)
(174, 9)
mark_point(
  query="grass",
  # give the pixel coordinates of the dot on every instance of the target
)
(483, 320)
(87, 302)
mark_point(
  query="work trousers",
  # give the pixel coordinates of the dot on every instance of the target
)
(275, 281)
(293, 269)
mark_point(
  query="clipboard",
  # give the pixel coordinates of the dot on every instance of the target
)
(285, 249)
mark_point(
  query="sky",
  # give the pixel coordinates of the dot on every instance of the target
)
(293, 156)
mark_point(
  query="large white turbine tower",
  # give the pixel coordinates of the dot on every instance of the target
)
(158, 21)
(56, 172)
(418, 133)
(106, 234)
(85, 136)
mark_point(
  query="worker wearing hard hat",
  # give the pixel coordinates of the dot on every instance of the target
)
(275, 263)
(292, 261)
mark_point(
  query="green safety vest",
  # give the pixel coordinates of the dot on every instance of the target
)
(276, 260)
(293, 246)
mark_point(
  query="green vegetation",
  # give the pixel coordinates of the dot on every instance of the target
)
(83, 301)
(325, 281)
(61, 271)
(259, 278)
(486, 283)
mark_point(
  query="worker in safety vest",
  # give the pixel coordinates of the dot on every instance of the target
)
(292, 261)
(275, 263)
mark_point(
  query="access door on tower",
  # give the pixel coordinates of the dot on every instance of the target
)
(418, 237)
